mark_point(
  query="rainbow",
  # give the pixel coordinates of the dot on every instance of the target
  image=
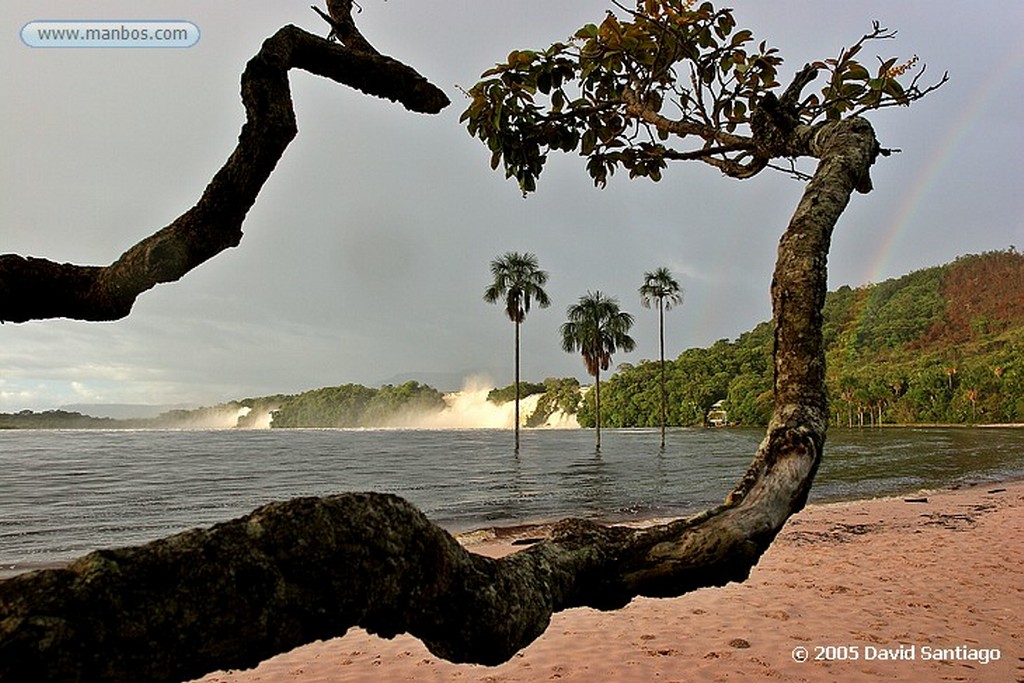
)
(920, 189)
(924, 183)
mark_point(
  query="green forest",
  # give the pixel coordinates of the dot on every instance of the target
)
(942, 345)
(353, 405)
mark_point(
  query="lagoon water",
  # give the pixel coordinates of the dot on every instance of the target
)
(64, 493)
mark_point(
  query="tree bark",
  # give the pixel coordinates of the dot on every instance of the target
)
(311, 568)
(35, 288)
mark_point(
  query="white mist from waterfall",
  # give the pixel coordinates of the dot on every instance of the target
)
(260, 421)
(469, 408)
(225, 416)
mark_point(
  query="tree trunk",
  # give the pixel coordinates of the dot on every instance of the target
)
(311, 568)
(597, 409)
(516, 419)
(661, 346)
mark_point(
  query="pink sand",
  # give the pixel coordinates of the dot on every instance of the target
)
(862, 579)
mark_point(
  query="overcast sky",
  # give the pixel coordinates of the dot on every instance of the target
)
(365, 258)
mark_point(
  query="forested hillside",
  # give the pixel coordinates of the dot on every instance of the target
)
(940, 345)
(353, 405)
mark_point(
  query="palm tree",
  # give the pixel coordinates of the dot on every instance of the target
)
(597, 329)
(518, 280)
(662, 288)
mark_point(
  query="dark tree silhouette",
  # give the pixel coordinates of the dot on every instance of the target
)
(310, 568)
(597, 328)
(518, 280)
(661, 288)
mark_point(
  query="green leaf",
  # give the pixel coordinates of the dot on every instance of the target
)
(744, 36)
(722, 28)
(739, 111)
(706, 40)
(557, 100)
(853, 91)
(589, 142)
(893, 88)
(856, 71)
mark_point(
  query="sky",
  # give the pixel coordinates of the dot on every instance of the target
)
(366, 255)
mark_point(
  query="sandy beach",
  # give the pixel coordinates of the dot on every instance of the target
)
(923, 587)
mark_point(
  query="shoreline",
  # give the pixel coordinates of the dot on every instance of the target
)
(514, 534)
(920, 586)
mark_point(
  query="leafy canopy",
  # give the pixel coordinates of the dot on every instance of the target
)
(518, 280)
(668, 80)
(661, 287)
(597, 328)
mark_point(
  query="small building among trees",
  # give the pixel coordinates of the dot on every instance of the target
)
(718, 416)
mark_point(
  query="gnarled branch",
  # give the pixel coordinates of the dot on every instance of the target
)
(35, 288)
(311, 568)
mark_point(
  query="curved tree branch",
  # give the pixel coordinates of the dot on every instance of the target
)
(311, 568)
(773, 125)
(34, 288)
(682, 127)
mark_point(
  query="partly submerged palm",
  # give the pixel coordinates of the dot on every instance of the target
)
(597, 328)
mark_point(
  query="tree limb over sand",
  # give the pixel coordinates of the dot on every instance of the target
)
(311, 568)
(308, 569)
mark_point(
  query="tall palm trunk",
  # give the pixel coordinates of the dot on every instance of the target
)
(661, 335)
(597, 409)
(517, 282)
(516, 424)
